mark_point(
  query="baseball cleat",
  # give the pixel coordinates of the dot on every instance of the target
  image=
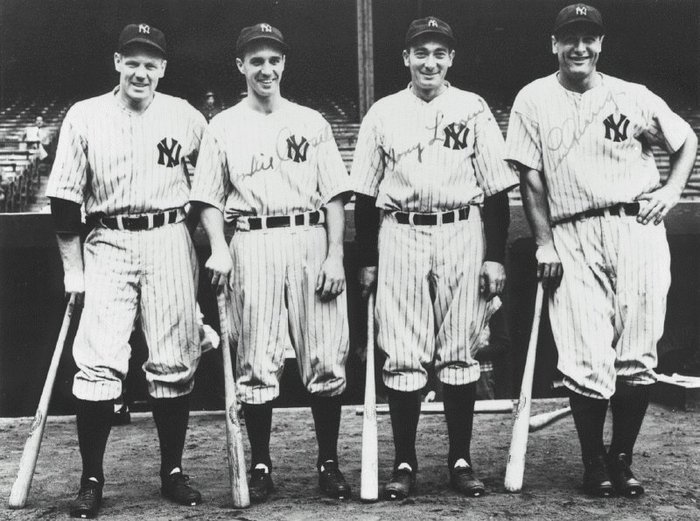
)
(87, 504)
(122, 416)
(176, 487)
(596, 481)
(332, 482)
(403, 479)
(622, 478)
(462, 480)
(260, 485)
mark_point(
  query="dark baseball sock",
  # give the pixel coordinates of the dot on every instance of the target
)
(459, 414)
(94, 421)
(629, 406)
(589, 418)
(326, 413)
(258, 423)
(171, 416)
(404, 408)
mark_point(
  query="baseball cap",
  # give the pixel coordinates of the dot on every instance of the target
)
(578, 13)
(429, 25)
(260, 32)
(144, 34)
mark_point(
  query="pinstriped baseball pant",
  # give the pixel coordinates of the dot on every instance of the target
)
(151, 273)
(608, 313)
(274, 305)
(428, 303)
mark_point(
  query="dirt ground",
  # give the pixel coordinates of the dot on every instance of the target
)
(668, 462)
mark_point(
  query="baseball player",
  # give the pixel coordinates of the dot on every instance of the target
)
(591, 191)
(122, 155)
(273, 167)
(427, 158)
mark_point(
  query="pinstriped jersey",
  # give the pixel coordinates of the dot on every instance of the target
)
(120, 162)
(280, 163)
(594, 148)
(440, 155)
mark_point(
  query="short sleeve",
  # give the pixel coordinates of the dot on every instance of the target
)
(367, 169)
(333, 177)
(68, 178)
(493, 173)
(663, 127)
(211, 184)
(195, 131)
(523, 142)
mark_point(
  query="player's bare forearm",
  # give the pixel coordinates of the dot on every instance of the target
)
(331, 279)
(534, 193)
(657, 204)
(219, 266)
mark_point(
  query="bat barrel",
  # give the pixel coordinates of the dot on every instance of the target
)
(369, 478)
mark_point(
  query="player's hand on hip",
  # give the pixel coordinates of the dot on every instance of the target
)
(492, 279)
(549, 268)
(655, 205)
(368, 280)
(219, 266)
(331, 279)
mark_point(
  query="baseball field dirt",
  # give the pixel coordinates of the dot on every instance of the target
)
(667, 460)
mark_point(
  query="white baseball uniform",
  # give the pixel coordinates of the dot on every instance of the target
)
(594, 149)
(279, 164)
(428, 157)
(119, 163)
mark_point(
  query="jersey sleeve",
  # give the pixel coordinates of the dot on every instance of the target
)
(493, 173)
(663, 127)
(211, 184)
(523, 142)
(195, 131)
(68, 178)
(333, 177)
(367, 169)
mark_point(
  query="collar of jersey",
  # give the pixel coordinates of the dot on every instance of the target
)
(410, 92)
(121, 106)
(573, 92)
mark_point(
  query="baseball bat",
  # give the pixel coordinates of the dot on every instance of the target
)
(369, 477)
(515, 467)
(540, 421)
(234, 438)
(480, 406)
(27, 464)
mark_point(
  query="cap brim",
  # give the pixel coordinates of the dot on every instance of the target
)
(588, 22)
(282, 44)
(143, 41)
(433, 32)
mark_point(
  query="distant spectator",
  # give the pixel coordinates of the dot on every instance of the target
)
(37, 136)
(491, 353)
(211, 107)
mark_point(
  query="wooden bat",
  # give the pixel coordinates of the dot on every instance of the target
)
(540, 421)
(515, 467)
(234, 438)
(480, 406)
(20, 489)
(369, 477)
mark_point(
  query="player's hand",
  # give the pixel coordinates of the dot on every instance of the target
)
(331, 279)
(492, 279)
(549, 268)
(219, 266)
(368, 280)
(655, 205)
(74, 282)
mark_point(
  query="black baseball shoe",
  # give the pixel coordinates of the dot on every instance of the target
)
(176, 487)
(462, 480)
(332, 482)
(621, 475)
(401, 484)
(596, 481)
(87, 504)
(260, 485)
(121, 416)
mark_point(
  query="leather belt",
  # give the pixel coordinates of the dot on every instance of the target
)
(134, 223)
(616, 210)
(432, 219)
(244, 223)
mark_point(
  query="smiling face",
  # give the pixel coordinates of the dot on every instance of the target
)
(428, 60)
(139, 67)
(578, 48)
(262, 64)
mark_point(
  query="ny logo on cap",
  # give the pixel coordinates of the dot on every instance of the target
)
(581, 10)
(432, 23)
(266, 28)
(144, 28)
